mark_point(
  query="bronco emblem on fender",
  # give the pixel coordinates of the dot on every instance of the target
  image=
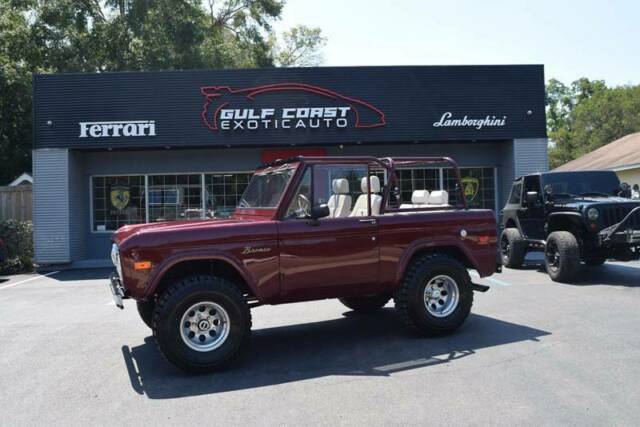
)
(471, 187)
(120, 197)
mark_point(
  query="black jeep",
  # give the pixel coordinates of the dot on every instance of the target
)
(571, 217)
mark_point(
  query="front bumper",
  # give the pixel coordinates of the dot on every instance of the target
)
(623, 233)
(117, 290)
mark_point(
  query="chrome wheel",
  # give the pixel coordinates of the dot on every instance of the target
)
(504, 246)
(441, 296)
(552, 255)
(205, 326)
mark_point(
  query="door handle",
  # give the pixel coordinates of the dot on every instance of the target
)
(369, 220)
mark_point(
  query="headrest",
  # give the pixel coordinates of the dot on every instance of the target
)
(375, 184)
(420, 197)
(439, 197)
(340, 186)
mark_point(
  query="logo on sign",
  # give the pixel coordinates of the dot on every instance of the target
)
(129, 128)
(447, 120)
(470, 186)
(120, 197)
(284, 106)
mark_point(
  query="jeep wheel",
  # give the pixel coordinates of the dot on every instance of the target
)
(512, 249)
(145, 310)
(562, 256)
(595, 262)
(366, 304)
(436, 295)
(201, 323)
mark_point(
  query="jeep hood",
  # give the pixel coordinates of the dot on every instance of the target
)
(584, 202)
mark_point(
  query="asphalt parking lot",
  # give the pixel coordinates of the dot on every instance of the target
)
(533, 352)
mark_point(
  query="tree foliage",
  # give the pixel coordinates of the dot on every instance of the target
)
(57, 36)
(587, 115)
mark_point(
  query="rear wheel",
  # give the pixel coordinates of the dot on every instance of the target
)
(366, 304)
(512, 248)
(562, 256)
(436, 295)
(201, 323)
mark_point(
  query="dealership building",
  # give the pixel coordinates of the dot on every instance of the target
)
(112, 149)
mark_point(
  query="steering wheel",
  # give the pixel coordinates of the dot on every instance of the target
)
(304, 205)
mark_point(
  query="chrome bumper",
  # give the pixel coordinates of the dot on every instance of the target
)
(117, 290)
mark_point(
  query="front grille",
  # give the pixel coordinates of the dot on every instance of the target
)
(614, 214)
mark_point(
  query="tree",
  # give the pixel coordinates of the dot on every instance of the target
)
(587, 115)
(300, 47)
(54, 36)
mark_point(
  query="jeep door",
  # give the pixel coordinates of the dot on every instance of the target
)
(531, 216)
(333, 256)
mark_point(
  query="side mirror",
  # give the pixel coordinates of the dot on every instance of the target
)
(532, 198)
(320, 211)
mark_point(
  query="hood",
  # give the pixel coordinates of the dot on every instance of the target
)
(585, 202)
(127, 231)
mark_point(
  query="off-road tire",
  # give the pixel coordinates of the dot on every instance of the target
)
(145, 310)
(174, 302)
(368, 304)
(595, 262)
(514, 255)
(568, 259)
(409, 299)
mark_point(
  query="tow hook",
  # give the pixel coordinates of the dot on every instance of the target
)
(479, 288)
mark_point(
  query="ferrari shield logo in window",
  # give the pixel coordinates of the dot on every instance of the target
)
(120, 197)
(471, 187)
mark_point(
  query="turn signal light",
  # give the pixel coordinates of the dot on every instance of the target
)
(142, 265)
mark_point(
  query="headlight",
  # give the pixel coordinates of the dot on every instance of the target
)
(115, 258)
(592, 214)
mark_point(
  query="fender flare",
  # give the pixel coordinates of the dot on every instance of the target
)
(180, 257)
(575, 217)
(428, 243)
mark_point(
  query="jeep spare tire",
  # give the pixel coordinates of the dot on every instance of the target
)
(512, 248)
(562, 256)
(201, 323)
(436, 295)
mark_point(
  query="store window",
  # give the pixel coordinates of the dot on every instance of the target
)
(117, 201)
(223, 192)
(478, 185)
(173, 197)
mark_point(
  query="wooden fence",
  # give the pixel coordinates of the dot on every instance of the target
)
(16, 203)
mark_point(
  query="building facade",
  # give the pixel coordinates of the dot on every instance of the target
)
(123, 148)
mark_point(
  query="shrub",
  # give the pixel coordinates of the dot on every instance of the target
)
(18, 239)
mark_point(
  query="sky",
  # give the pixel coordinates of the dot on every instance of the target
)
(573, 39)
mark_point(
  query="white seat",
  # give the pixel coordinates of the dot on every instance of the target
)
(340, 201)
(439, 198)
(360, 208)
(419, 199)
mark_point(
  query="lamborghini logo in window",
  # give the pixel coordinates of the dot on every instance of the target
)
(120, 197)
(471, 187)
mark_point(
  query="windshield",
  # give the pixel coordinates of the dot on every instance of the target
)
(576, 184)
(266, 189)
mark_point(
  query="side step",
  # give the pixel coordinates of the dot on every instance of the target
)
(479, 288)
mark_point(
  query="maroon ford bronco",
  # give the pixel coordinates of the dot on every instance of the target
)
(306, 229)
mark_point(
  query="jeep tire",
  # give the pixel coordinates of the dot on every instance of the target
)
(145, 310)
(201, 323)
(368, 304)
(562, 256)
(436, 295)
(512, 248)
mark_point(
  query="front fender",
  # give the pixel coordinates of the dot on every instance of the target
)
(158, 273)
